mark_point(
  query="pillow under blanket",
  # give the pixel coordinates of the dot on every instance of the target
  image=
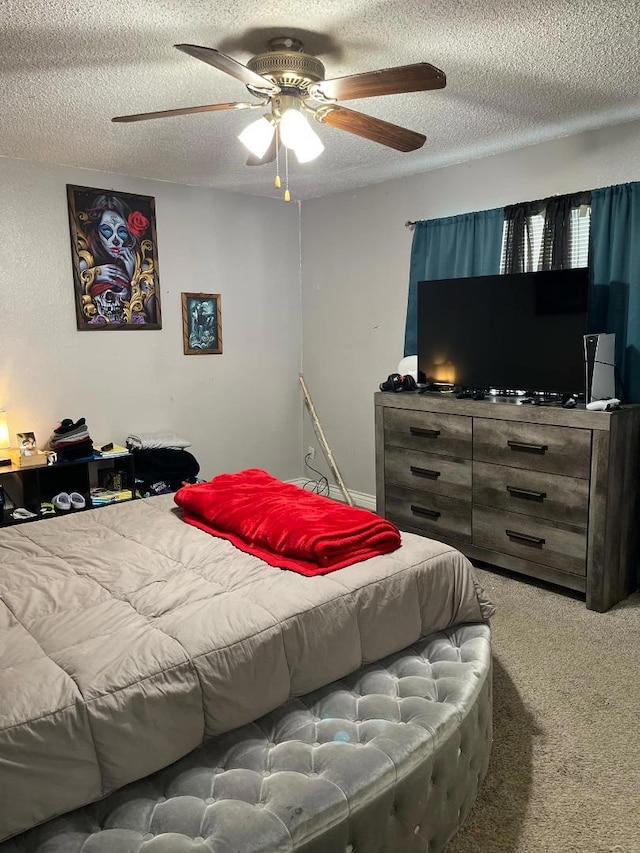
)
(286, 526)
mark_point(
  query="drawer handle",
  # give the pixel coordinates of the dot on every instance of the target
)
(424, 472)
(424, 433)
(429, 513)
(524, 537)
(526, 493)
(528, 448)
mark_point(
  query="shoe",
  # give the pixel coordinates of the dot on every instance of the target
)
(62, 501)
(77, 501)
(21, 514)
(47, 508)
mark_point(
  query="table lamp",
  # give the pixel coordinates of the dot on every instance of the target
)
(4, 438)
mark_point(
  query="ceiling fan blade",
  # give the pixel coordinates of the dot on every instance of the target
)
(185, 111)
(230, 66)
(374, 129)
(268, 157)
(390, 81)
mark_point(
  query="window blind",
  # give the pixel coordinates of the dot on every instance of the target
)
(532, 247)
(579, 231)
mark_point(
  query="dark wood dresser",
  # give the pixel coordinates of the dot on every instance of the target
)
(541, 490)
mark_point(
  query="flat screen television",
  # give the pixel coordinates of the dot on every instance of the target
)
(514, 332)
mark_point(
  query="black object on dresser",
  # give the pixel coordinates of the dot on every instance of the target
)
(548, 492)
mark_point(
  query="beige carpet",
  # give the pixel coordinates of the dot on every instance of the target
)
(564, 775)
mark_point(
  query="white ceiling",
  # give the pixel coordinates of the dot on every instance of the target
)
(518, 72)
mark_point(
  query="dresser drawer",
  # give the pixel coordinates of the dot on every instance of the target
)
(428, 472)
(551, 496)
(531, 539)
(437, 515)
(432, 432)
(537, 447)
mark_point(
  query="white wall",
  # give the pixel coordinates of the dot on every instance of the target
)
(243, 408)
(355, 268)
(239, 409)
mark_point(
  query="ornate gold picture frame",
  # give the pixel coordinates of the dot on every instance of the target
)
(115, 263)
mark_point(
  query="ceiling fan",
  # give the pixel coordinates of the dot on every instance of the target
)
(292, 83)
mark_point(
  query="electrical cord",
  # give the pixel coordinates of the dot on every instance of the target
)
(320, 485)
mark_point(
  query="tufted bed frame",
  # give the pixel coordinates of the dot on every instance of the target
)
(342, 713)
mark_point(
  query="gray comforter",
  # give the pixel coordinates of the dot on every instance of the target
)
(128, 636)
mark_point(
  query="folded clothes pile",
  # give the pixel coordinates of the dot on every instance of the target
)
(71, 441)
(160, 440)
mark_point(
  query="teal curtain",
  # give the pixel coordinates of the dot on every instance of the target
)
(454, 247)
(615, 267)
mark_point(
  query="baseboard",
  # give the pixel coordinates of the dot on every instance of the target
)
(361, 499)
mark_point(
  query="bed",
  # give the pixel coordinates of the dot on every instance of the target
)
(386, 760)
(128, 637)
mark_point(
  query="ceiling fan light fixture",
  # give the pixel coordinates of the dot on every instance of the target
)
(257, 136)
(296, 133)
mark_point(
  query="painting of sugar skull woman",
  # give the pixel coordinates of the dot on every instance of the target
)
(115, 264)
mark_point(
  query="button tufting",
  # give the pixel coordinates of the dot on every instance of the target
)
(342, 730)
(341, 737)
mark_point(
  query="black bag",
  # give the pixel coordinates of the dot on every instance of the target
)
(163, 469)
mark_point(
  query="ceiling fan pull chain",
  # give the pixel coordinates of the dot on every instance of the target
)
(287, 194)
(277, 180)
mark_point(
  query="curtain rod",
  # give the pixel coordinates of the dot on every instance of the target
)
(410, 224)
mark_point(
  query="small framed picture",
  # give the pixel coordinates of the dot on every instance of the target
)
(201, 323)
(27, 443)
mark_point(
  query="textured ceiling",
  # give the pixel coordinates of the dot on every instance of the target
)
(518, 72)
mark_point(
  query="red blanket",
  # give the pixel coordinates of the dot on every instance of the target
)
(285, 525)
